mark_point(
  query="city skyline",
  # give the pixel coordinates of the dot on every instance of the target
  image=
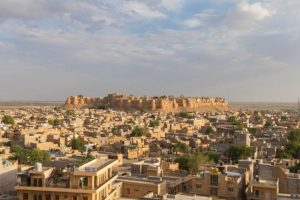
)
(240, 50)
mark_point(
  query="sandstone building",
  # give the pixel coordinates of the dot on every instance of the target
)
(91, 181)
(164, 104)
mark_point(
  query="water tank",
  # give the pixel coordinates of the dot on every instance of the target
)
(38, 167)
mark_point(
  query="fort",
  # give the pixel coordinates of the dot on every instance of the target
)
(119, 101)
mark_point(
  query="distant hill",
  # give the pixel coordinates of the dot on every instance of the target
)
(262, 106)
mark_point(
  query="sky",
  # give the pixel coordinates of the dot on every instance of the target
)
(243, 50)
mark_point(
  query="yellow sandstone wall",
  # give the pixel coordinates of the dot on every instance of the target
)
(163, 104)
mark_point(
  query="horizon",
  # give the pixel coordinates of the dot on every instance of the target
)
(244, 51)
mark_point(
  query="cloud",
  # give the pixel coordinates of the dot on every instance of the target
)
(32, 9)
(192, 23)
(172, 5)
(245, 13)
(212, 49)
(135, 7)
(255, 10)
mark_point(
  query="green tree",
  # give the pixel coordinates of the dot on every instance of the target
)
(237, 152)
(212, 155)
(183, 162)
(115, 130)
(55, 122)
(138, 132)
(232, 119)
(70, 113)
(29, 156)
(153, 123)
(236, 122)
(283, 153)
(77, 144)
(191, 163)
(7, 119)
(209, 130)
(294, 169)
(293, 145)
(253, 131)
(180, 148)
(196, 160)
(186, 115)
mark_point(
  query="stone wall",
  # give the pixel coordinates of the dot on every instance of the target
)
(165, 104)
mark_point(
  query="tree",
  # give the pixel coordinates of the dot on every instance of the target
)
(29, 156)
(292, 148)
(209, 130)
(77, 144)
(212, 155)
(138, 132)
(180, 148)
(115, 130)
(55, 122)
(294, 169)
(283, 153)
(232, 119)
(237, 124)
(237, 152)
(70, 113)
(268, 124)
(7, 119)
(253, 131)
(186, 115)
(293, 145)
(191, 163)
(153, 123)
(183, 162)
(196, 160)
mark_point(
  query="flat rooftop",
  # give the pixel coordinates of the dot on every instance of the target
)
(95, 165)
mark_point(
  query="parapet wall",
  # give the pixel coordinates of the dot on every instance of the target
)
(164, 104)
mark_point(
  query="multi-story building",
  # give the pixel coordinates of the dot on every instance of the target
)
(214, 182)
(138, 187)
(91, 181)
(260, 189)
(8, 170)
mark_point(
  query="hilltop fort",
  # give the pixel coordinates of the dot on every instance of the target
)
(118, 101)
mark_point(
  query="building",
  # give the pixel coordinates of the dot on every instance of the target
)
(8, 170)
(91, 181)
(138, 187)
(221, 183)
(260, 189)
(151, 196)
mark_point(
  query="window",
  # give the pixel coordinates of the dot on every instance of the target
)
(256, 193)
(48, 197)
(128, 190)
(85, 198)
(83, 182)
(35, 183)
(25, 196)
(214, 180)
(214, 191)
(40, 182)
(37, 197)
(74, 197)
(56, 197)
(198, 186)
(230, 189)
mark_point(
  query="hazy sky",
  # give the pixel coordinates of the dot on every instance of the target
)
(241, 50)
